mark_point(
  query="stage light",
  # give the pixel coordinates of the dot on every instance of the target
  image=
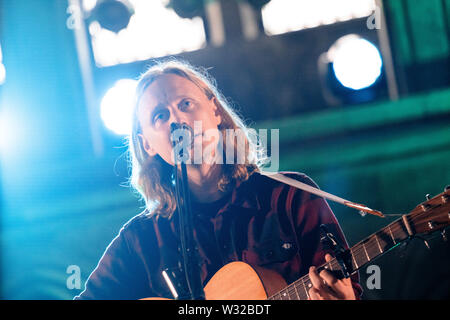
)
(113, 15)
(356, 62)
(2, 73)
(165, 33)
(2, 68)
(4, 132)
(11, 133)
(351, 72)
(116, 106)
(281, 16)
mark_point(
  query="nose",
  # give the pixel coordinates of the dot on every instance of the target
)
(178, 121)
(175, 117)
(178, 117)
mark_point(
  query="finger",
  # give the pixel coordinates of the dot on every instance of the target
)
(328, 257)
(313, 294)
(329, 278)
(315, 278)
(319, 284)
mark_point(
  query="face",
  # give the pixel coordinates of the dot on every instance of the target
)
(174, 99)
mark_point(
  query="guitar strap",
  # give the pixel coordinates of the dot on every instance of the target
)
(303, 186)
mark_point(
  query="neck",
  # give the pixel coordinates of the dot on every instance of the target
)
(203, 182)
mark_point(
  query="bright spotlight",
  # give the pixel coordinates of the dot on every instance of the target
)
(116, 106)
(356, 62)
(2, 68)
(2, 73)
(4, 132)
(11, 133)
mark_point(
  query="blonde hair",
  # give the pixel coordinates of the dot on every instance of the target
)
(151, 176)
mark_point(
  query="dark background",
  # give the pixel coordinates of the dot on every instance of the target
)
(61, 204)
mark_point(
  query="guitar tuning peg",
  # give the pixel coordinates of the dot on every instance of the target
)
(447, 188)
(427, 196)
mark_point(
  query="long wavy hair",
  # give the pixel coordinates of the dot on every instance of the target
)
(151, 176)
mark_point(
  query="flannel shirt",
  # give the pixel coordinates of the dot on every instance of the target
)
(262, 222)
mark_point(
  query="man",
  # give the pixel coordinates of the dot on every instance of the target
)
(239, 214)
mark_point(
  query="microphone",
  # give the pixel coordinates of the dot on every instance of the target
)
(175, 125)
(177, 139)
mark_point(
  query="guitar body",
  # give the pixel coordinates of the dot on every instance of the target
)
(239, 281)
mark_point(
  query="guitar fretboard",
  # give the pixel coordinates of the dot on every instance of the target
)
(360, 254)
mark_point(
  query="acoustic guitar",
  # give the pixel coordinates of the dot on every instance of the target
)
(240, 281)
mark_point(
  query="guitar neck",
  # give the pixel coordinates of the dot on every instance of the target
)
(360, 254)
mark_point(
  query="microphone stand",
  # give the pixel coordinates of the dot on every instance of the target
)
(188, 247)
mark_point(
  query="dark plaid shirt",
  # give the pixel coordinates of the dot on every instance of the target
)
(262, 222)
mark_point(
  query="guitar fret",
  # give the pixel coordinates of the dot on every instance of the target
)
(309, 285)
(373, 248)
(392, 236)
(378, 242)
(290, 293)
(360, 256)
(296, 292)
(304, 287)
(365, 250)
(286, 294)
(354, 260)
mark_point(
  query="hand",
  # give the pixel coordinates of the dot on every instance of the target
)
(328, 287)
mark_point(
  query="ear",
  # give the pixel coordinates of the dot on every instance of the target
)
(146, 144)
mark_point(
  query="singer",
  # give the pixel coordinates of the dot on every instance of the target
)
(238, 214)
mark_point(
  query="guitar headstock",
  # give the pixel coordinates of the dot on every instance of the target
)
(431, 215)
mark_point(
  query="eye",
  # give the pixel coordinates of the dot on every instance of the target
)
(160, 116)
(185, 104)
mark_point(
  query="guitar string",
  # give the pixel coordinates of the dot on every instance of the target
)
(361, 247)
(395, 226)
(305, 282)
(355, 251)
